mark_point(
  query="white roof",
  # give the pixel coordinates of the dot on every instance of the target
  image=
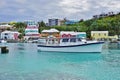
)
(6, 31)
(99, 31)
(6, 25)
(54, 30)
(31, 29)
(51, 30)
(10, 32)
(45, 31)
(71, 32)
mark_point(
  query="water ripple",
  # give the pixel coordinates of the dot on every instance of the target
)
(38, 76)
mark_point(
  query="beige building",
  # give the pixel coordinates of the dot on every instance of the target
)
(99, 35)
(53, 32)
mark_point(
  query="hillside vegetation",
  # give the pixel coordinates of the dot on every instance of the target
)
(109, 23)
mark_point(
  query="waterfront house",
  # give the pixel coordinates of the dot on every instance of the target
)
(62, 34)
(10, 35)
(72, 34)
(4, 27)
(99, 35)
(47, 33)
(113, 38)
(31, 30)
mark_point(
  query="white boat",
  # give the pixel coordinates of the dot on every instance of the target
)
(69, 45)
(3, 41)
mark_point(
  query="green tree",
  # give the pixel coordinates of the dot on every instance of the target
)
(42, 24)
(20, 36)
(20, 27)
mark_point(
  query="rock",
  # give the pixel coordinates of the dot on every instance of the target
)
(4, 50)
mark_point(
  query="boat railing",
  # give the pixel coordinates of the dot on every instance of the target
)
(61, 41)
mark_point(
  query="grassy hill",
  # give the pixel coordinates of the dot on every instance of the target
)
(108, 23)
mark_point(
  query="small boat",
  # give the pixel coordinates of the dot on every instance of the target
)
(3, 41)
(69, 45)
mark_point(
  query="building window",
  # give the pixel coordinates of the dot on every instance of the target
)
(99, 34)
(104, 34)
(6, 33)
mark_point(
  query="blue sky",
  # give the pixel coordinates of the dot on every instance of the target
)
(21, 10)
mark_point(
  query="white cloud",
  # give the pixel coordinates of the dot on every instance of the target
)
(2, 4)
(74, 6)
(21, 1)
(22, 11)
(114, 5)
(44, 9)
(108, 5)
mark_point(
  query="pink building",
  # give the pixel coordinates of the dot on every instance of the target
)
(32, 30)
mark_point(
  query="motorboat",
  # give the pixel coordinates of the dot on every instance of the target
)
(52, 44)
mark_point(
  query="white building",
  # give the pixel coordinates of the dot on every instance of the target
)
(5, 26)
(54, 22)
(8, 35)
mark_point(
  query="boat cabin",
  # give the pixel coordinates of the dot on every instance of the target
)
(61, 41)
(64, 38)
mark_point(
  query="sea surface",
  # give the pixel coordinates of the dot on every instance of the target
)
(24, 62)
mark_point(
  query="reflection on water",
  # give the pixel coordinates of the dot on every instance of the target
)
(113, 45)
(21, 46)
(113, 55)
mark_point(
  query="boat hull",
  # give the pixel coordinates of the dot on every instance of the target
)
(90, 47)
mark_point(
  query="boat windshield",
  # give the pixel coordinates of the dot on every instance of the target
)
(42, 41)
(65, 40)
(73, 40)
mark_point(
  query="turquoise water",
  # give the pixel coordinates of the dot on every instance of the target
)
(24, 62)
